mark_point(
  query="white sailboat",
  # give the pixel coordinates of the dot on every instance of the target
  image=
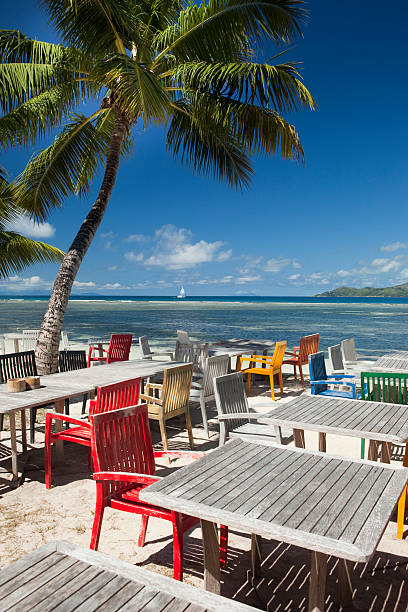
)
(182, 294)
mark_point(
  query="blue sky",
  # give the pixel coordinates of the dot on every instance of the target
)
(297, 230)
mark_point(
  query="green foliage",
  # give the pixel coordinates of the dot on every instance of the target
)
(395, 291)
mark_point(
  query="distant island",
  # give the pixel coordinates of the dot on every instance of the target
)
(396, 291)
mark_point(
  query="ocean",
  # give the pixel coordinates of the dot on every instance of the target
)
(377, 324)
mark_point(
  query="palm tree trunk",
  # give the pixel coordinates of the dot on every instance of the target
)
(48, 341)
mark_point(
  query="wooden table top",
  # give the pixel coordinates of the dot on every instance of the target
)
(313, 500)
(346, 417)
(395, 361)
(62, 576)
(70, 384)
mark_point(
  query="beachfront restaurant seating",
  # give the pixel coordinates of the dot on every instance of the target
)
(170, 399)
(147, 353)
(69, 361)
(234, 414)
(203, 391)
(300, 354)
(266, 366)
(118, 350)
(124, 463)
(108, 397)
(322, 383)
(19, 365)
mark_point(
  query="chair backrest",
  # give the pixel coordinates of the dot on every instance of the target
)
(144, 345)
(308, 345)
(384, 387)
(17, 365)
(176, 387)
(348, 348)
(317, 369)
(117, 395)
(2, 346)
(68, 361)
(212, 368)
(121, 442)
(278, 354)
(192, 353)
(230, 398)
(119, 347)
(30, 337)
(182, 337)
(335, 357)
(64, 341)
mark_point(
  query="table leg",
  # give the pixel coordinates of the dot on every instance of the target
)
(386, 452)
(256, 555)
(13, 441)
(344, 571)
(59, 445)
(299, 438)
(322, 442)
(16, 345)
(211, 547)
(402, 502)
(372, 451)
(317, 588)
(24, 430)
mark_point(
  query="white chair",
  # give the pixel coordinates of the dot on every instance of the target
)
(350, 358)
(192, 353)
(2, 346)
(203, 391)
(183, 338)
(234, 414)
(147, 353)
(30, 337)
(64, 344)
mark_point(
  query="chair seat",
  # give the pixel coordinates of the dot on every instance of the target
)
(254, 431)
(338, 394)
(264, 371)
(81, 434)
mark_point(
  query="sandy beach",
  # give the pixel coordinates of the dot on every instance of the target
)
(31, 516)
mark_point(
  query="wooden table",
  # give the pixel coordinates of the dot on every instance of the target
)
(379, 422)
(395, 361)
(55, 388)
(329, 505)
(65, 577)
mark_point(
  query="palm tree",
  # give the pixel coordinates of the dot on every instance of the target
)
(189, 66)
(17, 251)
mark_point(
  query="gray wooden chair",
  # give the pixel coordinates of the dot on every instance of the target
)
(192, 353)
(30, 337)
(350, 358)
(336, 359)
(203, 391)
(183, 337)
(234, 414)
(147, 353)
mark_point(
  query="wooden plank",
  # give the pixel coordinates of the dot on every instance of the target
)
(211, 547)
(317, 587)
(140, 599)
(121, 598)
(20, 566)
(256, 556)
(30, 572)
(103, 595)
(159, 601)
(344, 571)
(84, 592)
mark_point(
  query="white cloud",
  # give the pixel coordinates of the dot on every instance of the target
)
(343, 273)
(247, 279)
(384, 265)
(84, 284)
(131, 256)
(108, 235)
(394, 246)
(175, 250)
(137, 238)
(294, 277)
(17, 283)
(224, 255)
(276, 265)
(112, 286)
(26, 226)
(112, 268)
(296, 264)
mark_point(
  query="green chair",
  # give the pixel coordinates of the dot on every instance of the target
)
(383, 387)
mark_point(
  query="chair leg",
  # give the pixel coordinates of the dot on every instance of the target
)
(401, 514)
(162, 425)
(272, 386)
(204, 415)
(294, 371)
(248, 383)
(143, 529)
(66, 410)
(223, 546)
(280, 382)
(90, 462)
(1, 421)
(33, 416)
(223, 434)
(189, 428)
(362, 448)
(47, 462)
(302, 380)
(98, 518)
(84, 400)
(177, 548)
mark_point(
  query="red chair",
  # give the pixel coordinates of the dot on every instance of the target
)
(300, 355)
(124, 463)
(109, 397)
(118, 349)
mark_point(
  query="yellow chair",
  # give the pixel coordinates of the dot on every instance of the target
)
(268, 366)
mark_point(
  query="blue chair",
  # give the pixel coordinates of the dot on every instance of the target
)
(320, 381)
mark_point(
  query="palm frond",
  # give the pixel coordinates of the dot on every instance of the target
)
(223, 30)
(64, 168)
(212, 150)
(17, 252)
(16, 47)
(278, 87)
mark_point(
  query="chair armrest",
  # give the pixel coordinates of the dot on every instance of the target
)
(185, 454)
(340, 376)
(163, 354)
(243, 415)
(98, 348)
(196, 385)
(150, 399)
(54, 416)
(265, 359)
(154, 386)
(126, 477)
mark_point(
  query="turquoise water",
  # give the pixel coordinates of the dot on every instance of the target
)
(377, 324)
